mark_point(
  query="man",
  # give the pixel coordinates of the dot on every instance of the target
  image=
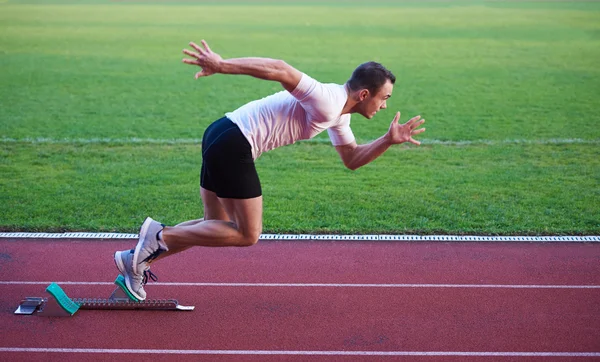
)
(230, 187)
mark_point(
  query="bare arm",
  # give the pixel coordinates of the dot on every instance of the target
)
(355, 156)
(262, 68)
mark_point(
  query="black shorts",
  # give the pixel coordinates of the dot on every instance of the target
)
(227, 164)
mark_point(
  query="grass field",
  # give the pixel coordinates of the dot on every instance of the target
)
(100, 121)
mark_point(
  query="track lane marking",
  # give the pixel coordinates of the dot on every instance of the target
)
(300, 353)
(323, 285)
(330, 237)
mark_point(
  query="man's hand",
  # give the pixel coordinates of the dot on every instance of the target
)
(400, 133)
(205, 58)
(262, 68)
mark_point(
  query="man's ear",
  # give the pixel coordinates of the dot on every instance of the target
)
(363, 94)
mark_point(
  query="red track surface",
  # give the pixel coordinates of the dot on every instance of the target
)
(424, 306)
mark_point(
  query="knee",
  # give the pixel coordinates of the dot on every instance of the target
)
(250, 238)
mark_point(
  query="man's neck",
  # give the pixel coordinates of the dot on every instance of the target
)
(351, 101)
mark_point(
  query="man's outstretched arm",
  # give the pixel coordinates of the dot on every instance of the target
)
(262, 68)
(355, 156)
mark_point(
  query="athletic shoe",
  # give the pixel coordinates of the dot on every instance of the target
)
(149, 247)
(134, 282)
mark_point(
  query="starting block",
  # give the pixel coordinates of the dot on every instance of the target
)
(58, 304)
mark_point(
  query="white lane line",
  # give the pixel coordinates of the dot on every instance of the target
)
(323, 285)
(302, 353)
(278, 237)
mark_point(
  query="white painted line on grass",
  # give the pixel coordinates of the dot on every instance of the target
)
(323, 140)
(322, 285)
(285, 237)
(300, 353)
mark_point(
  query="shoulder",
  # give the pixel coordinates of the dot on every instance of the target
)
(305, 87)
(324, 101)
(309, 86)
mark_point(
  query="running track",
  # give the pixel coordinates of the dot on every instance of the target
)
(315, 300)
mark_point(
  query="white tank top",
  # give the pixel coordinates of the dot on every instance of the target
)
(284, 118)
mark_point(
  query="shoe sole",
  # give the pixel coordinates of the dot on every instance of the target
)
(121, 267)
(138, 247)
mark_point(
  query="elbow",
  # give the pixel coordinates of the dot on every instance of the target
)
(348, 156)
(351, 167)
(279, 67)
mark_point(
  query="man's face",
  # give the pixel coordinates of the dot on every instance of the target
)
(373, 103)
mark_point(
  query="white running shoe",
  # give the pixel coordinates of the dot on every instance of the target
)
(134, 282)
(149, 247)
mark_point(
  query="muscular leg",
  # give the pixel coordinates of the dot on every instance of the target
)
(227, 168)
(213, 210)
(191, 222)
(227, 222)
(242, 228)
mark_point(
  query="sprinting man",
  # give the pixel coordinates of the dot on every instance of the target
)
(230, 187)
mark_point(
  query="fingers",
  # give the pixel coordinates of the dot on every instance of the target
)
(199, 57)
(200, 52)
(197, 47)
(406, 131)
(415, 132)
(196, 57)
(191, 53)
(205, 44)
(412, 121)
(417, 124)
(190, 61)
(414, 142)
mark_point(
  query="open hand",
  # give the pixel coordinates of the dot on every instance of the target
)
(400, 133)
(203, 57)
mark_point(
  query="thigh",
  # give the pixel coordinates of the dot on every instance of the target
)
(228, 168)
(213, 208)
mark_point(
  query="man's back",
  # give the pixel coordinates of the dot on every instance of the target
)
(284, 118)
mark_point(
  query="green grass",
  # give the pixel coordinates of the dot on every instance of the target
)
(494, 72)
(477, 189)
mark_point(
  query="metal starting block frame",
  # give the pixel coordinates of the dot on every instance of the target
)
(58, 304)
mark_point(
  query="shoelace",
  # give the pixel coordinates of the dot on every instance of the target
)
(154, 255)
(148, 274)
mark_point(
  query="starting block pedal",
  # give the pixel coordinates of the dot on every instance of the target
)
(58, 303)
(122, 293)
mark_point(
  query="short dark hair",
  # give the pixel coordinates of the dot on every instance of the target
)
(371, 76)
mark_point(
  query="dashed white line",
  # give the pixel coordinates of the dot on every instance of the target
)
(332, 237)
